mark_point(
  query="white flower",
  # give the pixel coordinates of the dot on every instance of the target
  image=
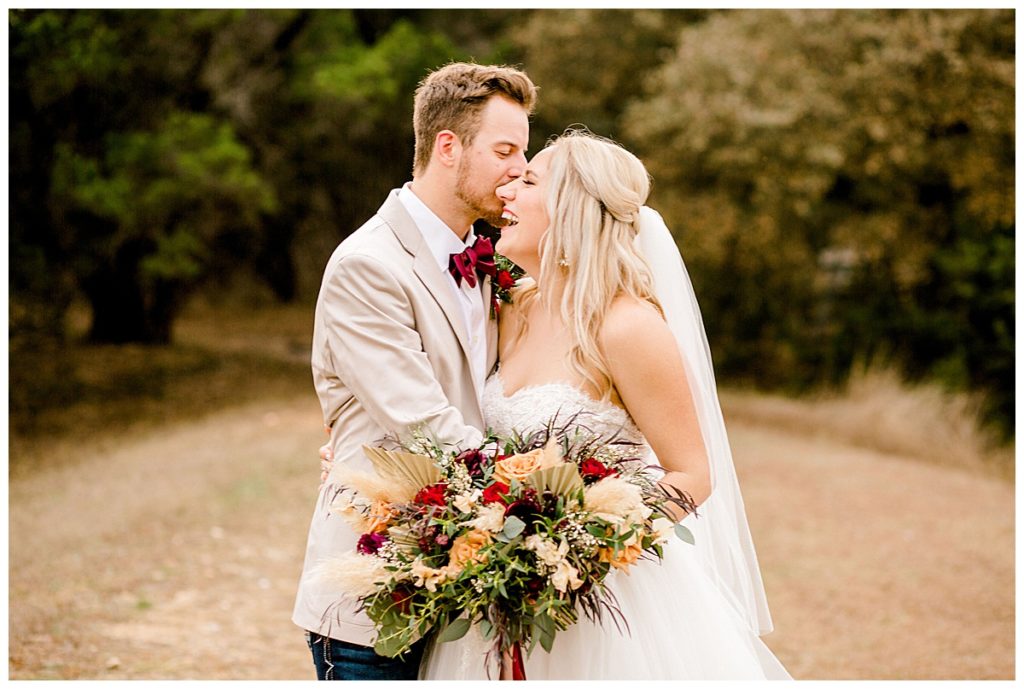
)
(354, 573)
(489, 518)
(616, 501)
(565, 576)
(661, 529)
(547, 551)
(426, 576)
(465, 502)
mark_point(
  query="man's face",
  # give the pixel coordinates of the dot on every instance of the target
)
(496, 157)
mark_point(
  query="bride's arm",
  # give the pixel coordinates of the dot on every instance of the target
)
(648, 374)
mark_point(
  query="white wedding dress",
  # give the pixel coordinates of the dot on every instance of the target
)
(680, 626)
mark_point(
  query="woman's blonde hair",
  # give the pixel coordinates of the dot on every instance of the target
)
(595, 189)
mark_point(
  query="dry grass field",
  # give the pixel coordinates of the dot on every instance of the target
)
(167, 545)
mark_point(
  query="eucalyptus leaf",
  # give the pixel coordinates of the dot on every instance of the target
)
(547, 640)
(391, 646)
(454, 631)
(513, 527)
(685, 534)
(486, 629)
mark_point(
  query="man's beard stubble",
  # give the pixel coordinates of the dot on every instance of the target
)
(478, 202)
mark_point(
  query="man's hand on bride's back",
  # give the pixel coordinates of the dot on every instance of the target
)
(326, 457)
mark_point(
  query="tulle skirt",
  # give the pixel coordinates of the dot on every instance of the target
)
(680, 627)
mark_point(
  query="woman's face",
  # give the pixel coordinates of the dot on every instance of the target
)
(527, 215)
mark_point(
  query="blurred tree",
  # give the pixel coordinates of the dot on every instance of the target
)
(128, 186)
(329, 115)
(146, 216)
(347, 137)
(156, 150)
(587, 62)
(851, 172)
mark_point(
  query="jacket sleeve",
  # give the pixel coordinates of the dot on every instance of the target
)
(375, 349)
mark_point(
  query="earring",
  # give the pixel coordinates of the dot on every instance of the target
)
(562, 263)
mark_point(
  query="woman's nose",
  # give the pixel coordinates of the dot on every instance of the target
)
(506, 192)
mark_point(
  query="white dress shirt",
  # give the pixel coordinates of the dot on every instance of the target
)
(443, 242)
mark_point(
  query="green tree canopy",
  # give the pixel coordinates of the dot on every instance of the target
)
(159, 149)
(851, 172)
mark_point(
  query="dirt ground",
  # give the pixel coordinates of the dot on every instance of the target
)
(174, 554)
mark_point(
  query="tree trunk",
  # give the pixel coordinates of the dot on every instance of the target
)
(123, 310)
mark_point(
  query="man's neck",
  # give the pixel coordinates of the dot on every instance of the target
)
(441, 200)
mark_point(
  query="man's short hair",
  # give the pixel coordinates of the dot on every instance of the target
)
(453, 97)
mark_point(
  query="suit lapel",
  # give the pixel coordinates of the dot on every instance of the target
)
(426, 269)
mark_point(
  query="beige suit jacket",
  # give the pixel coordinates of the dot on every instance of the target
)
(390, 353)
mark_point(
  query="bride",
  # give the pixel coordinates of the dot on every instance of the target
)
(606, 324)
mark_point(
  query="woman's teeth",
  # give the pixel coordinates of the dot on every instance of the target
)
(509, 217)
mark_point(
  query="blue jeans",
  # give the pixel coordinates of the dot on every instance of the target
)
(341, 660)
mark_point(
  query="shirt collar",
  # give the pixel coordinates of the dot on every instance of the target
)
(440, 238)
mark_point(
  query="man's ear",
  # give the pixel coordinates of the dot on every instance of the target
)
(447, 148)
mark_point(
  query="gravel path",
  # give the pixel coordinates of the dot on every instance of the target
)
(175, 555)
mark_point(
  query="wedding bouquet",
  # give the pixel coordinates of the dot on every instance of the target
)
(516, 536)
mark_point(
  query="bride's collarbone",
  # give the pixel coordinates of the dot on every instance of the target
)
(524, 374)
(540, 358)
(534, 361)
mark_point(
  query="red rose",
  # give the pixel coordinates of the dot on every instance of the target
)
(505, 280)
(495, 492)
(534, 588)
(536, 585)
(402, 598)
(527, 508)
(432, 495)
(473, 461)
(370, 543)
(593, 469)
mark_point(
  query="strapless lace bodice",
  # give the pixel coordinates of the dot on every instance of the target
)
(533, 407)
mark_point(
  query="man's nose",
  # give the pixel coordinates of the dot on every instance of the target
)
(518, 166)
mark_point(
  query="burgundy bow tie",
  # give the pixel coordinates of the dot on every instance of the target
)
(478, 258)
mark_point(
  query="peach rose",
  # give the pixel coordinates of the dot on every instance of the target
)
(520, 466)
(466, 549)
(379, 517)
(626, 557)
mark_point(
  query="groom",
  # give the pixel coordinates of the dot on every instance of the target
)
(401, 335)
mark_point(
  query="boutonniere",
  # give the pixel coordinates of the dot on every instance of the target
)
(504, 279)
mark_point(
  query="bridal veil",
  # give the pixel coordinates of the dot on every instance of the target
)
(720, 524)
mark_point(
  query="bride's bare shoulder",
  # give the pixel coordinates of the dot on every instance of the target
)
(630, 321)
